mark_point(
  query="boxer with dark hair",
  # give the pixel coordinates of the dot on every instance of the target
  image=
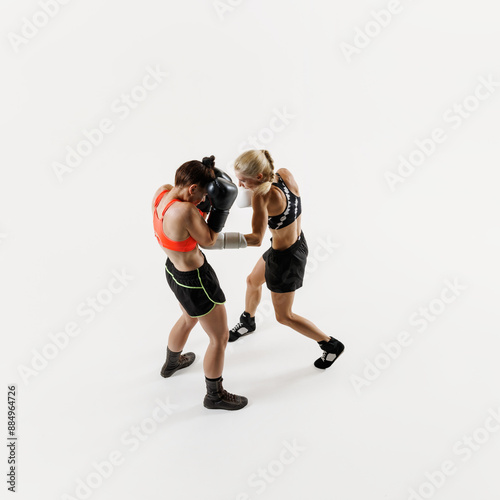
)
(179, 213)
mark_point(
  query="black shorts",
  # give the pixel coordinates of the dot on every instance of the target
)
(198, 291)
(285, 268)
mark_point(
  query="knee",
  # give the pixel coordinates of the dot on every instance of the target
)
(220, 341)
(250, 281)
(284, 318)
(253, 281)
(190, 322)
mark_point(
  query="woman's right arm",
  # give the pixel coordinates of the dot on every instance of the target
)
(198, 228)
(259, 221)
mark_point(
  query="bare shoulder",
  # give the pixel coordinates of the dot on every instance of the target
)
(289, 179)
(182, 213)
(165, 187)
(286, 175)
(260, 200)
(184, 209)
(283, 171)
(155, 196)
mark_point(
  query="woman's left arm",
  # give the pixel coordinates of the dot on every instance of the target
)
(259, 221)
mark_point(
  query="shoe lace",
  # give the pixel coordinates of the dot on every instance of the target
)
(183, 359)
(237, 327)
(228, 396)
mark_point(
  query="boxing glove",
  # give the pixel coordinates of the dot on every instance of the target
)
(209, 161)
(244, 199)
(221, 173)
(228, 240)
(222, 194)
(205, 206)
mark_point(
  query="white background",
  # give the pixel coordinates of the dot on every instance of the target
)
(228, 73)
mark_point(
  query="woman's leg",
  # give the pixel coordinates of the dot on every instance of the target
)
(215, 324)
(180, 331)
(332, 348)
(176, 342)
(283, 303)
(217, 398)
(255, 280)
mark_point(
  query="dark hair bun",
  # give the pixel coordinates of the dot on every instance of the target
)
(209, 161)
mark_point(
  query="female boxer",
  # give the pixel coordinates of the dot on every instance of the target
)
(179, 227)
(276, 203)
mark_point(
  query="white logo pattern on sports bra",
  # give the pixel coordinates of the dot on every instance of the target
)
(296, 209)
(287, 211)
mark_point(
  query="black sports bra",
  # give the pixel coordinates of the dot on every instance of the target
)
(292, 211)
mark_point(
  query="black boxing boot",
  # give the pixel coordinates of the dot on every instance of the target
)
(217, 398)
(175, 361)
(332, 349)
(244, 327)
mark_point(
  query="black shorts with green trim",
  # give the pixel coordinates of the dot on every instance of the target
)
(285, 269)
(198, 291)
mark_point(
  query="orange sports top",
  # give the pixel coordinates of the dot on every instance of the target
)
(180, 246)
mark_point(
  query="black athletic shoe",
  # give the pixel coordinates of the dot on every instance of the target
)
(217, 398)
(244, 327)
(175, 361)
(331, 351)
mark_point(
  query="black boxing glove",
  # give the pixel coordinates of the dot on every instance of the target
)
(222, 194)
(220, 173)
(205, 206)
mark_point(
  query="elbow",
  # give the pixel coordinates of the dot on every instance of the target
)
(259, 238)
(209, 243)
(253, 240)
(214, 238)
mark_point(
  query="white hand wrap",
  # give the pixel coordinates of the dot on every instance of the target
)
(244, 198)
(228, 240)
